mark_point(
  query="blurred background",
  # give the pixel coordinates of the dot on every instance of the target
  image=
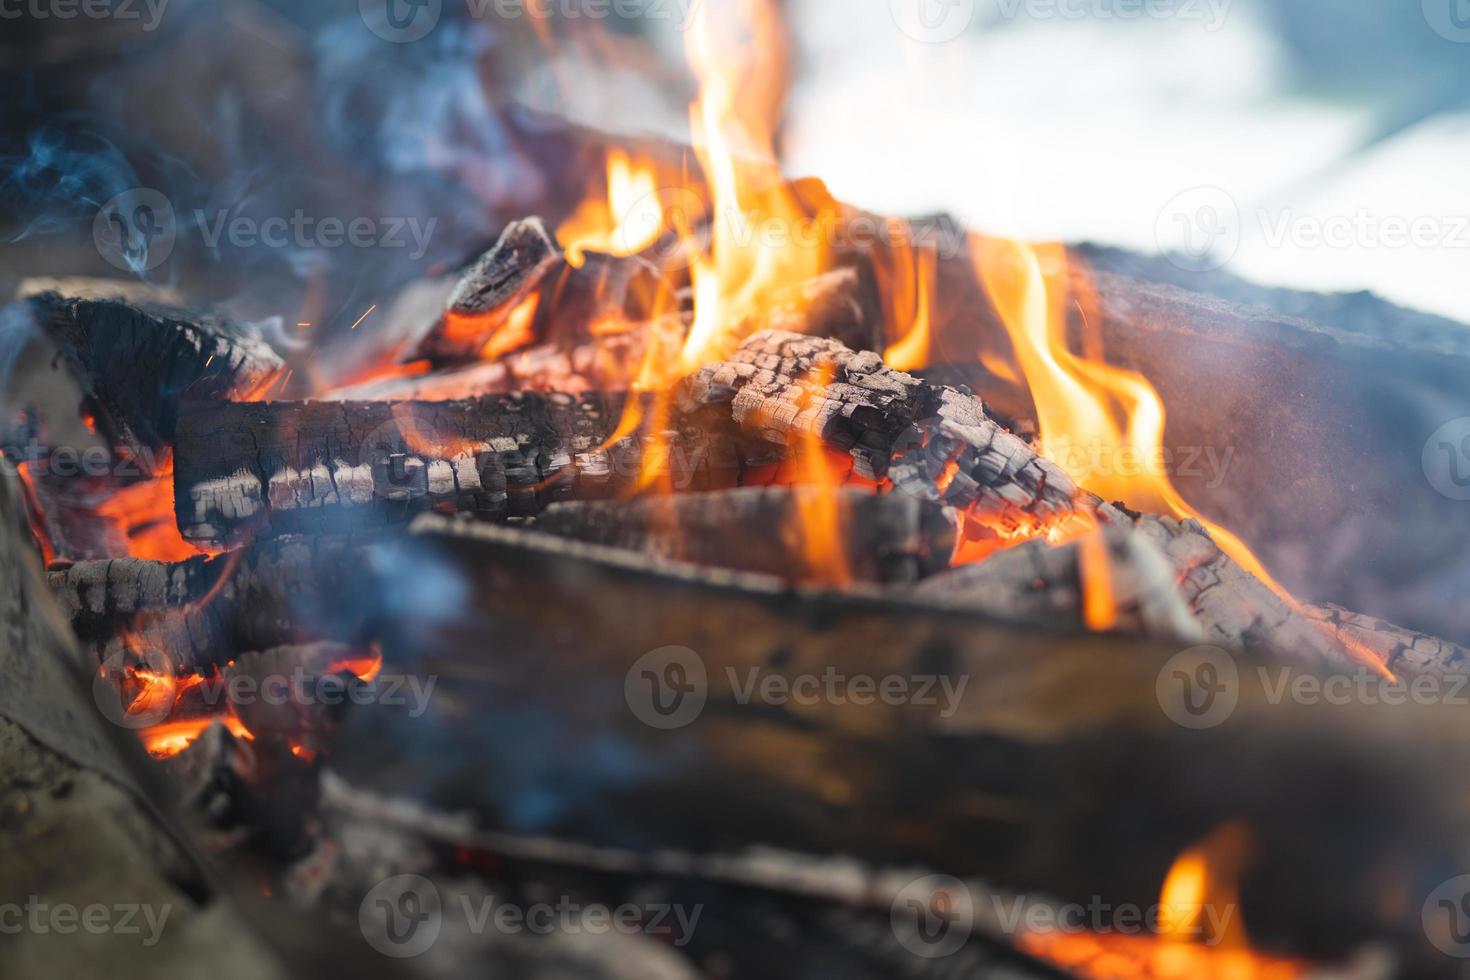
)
(1317, 144)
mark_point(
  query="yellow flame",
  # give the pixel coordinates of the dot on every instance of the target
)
(626, 222)
(761, 238)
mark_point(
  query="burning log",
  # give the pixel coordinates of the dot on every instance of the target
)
(885, 539)
(491, 289)
(314, 467)
(1156, 576)
(1050, 585)
(1015, 779)
(136, 364)
(206, 611)
(934, 442)
(1405, 652)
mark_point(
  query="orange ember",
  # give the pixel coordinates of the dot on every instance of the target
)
(144, 514)
(1091, 956)
(172, 737)
(34, 513)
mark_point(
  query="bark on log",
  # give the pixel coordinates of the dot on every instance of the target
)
(888, 539)
(1058, 768)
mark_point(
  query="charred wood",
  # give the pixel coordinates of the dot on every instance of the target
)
(889, 539)
(135, 365)
(1162, 577)
(314, 467)
(1403, 651)
(206, 611)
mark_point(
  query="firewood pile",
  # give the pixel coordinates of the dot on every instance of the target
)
(493, 549)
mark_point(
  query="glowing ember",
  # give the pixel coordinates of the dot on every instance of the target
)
(34, 513)
(144, 514)
(172, 737)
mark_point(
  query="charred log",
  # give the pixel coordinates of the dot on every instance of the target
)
(206, 611)
(884, 539)
(1403, 651)
(135, 365)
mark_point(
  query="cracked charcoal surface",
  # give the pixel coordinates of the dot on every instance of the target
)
(933, 442)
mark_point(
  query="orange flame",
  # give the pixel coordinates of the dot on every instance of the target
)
(1099, 601)
(818, 506)
(1093, 417)
(908, 292)
(761, 238)
(1201, 933)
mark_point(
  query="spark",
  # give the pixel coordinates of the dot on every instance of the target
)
(363, 317)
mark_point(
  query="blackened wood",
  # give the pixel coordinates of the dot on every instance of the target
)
(890, 538)
(490, 289)
(206, 611)
(1057, 768)
(324, 466)
(137, 364)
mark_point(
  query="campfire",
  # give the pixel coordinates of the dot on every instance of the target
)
(711, 548)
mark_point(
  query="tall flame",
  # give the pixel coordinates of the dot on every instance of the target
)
(761, 237)
(1098, 422)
